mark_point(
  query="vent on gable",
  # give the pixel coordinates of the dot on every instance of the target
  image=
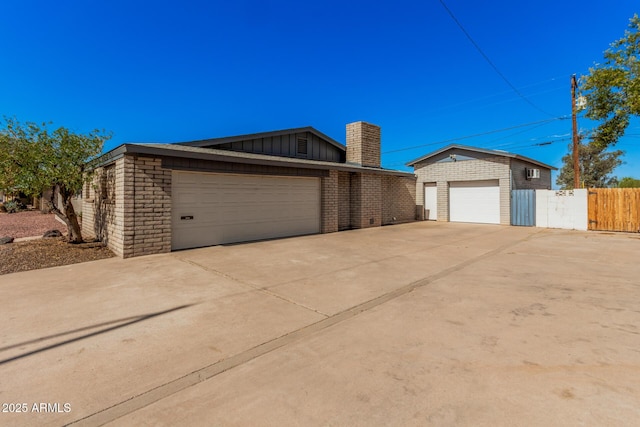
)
(533, 173)
(302, 145)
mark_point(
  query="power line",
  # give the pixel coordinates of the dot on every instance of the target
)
(476, 135)
(490, 62)
(514, 134)
(494, 95)
(519, 147)
(539, 144)
(440, 111)
(529, 141)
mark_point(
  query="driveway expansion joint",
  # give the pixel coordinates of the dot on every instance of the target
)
(165, 390)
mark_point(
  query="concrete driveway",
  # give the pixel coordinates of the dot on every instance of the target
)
(416, 324)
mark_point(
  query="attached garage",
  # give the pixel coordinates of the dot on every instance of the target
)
(216, 208)
(475, 201)
(154, 198)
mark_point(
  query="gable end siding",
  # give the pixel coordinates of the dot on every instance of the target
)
(287, 146)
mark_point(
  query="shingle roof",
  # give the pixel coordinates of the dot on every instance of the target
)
(479, 150)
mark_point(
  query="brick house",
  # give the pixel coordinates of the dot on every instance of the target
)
(154, 198)
(467, 184)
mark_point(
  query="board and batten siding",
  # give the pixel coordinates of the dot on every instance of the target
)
(287, 146)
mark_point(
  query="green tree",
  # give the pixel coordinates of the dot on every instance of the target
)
(33, 158)
(612, 89)
(596, 166)
(628, 182)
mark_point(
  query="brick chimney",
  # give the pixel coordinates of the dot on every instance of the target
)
(363, 144)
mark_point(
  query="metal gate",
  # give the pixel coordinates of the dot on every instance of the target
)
(523, 208)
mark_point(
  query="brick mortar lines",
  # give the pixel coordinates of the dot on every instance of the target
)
(152, 208)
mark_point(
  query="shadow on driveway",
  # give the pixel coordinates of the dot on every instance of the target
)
(128, 321)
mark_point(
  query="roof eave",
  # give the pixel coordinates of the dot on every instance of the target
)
(134, 149)
(479, 150)
(108, 157)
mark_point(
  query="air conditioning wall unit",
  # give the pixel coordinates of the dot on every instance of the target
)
(533, 173)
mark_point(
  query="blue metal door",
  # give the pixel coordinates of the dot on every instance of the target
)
(523, 208)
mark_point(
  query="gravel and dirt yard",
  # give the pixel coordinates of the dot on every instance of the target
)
(50, 252)
(28, 224)
(41, 253)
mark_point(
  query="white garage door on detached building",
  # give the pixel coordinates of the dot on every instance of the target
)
(474, 201)
(213, 208)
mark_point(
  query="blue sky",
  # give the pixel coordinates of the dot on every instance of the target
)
(168, 71)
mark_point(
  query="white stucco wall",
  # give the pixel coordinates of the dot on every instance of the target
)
(566, 209)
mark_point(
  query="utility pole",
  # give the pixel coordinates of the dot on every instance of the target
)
(576, 161)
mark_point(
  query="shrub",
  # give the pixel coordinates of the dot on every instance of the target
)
(12, 206)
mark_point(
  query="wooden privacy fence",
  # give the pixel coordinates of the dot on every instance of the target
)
(614, 209)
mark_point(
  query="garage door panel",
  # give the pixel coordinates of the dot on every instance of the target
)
(230, 208)
(474, 201)
(231, 215)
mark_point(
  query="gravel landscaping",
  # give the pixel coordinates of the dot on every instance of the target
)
(41, 252)
(28, 224)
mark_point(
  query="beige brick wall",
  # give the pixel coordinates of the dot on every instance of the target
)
(103, 206)
(151, 219)
(363, 144)
(135, 217)
(329, 197)
(344, 200)
(88, 213)
(366, 200)
(466, 170)
(398, 199)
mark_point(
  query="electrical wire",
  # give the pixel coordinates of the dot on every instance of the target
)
(539, 144)
(487, 97)
(477, 135)
(520, 147)
(527, 143)
(442, 111)
(514, 134)
(490, 62)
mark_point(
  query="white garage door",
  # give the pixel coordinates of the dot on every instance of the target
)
(212, 209)
(474, 201)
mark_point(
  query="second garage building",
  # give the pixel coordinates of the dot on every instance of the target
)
(460, 183)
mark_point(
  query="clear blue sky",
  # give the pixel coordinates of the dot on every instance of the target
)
(167, 71)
